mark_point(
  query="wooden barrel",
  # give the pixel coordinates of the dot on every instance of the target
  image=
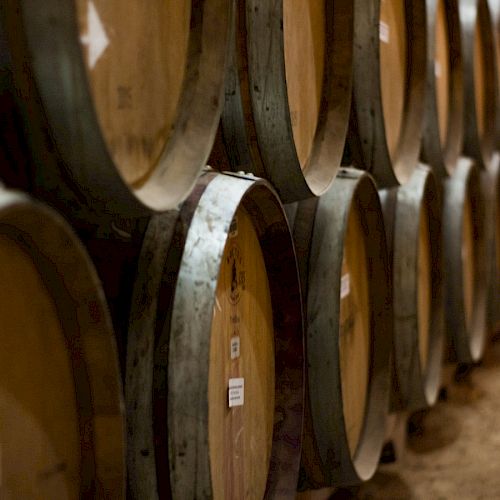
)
(480, 80)
(340, 242)
(465, 263)
(413, 220)
(388, 88)
(215, 374)
(121, 99)
(495, 19)
(491, 191)
(288, 93)
(62, 426)
(442, 138)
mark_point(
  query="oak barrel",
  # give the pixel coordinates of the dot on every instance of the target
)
(413, 214)
(121, 100)
(465, 262)
(495, 19)
(341, 248)
(491, 192)
(62, 426)
(442, 138)
(288, 92)
(478, 50)
(388, 88)
(214, 382)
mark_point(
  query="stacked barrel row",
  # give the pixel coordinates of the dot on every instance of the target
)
(242, 334)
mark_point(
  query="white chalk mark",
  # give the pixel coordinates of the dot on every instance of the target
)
(95, 39)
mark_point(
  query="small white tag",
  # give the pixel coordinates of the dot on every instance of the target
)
(235, 347)
(233, 228)
(384, 32)
(236, 392)
(437, 69)
(345, 286)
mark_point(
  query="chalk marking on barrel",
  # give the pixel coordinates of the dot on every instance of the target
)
(345, 286)
(235, 347)
(384, 32)
(233, 228)
(95, 38)
(437, 69)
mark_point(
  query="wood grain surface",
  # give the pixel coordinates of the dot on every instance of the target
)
(241, 346)
(304, 44)
(61, 419)
(393, 68)
(136, 81)
(355, 337)
(39, 423)
(481, 57)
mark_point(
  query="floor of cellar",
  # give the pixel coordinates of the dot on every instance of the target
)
(455, 452)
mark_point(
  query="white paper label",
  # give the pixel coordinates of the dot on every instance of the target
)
(95, 39)
(236, 392)
(235, 347)
(345, 286)
(437, 69)
(233, 228)
(384, 32)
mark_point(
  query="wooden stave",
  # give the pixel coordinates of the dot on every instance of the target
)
(415, 388)
(342, 469)
(465, 345)
(174, 227)
(72, 282)
(443, 159)
(64, 134)
(477, 147)
(261, 141)
(367, 144)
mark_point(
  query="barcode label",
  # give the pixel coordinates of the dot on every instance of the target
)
(236, 393)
